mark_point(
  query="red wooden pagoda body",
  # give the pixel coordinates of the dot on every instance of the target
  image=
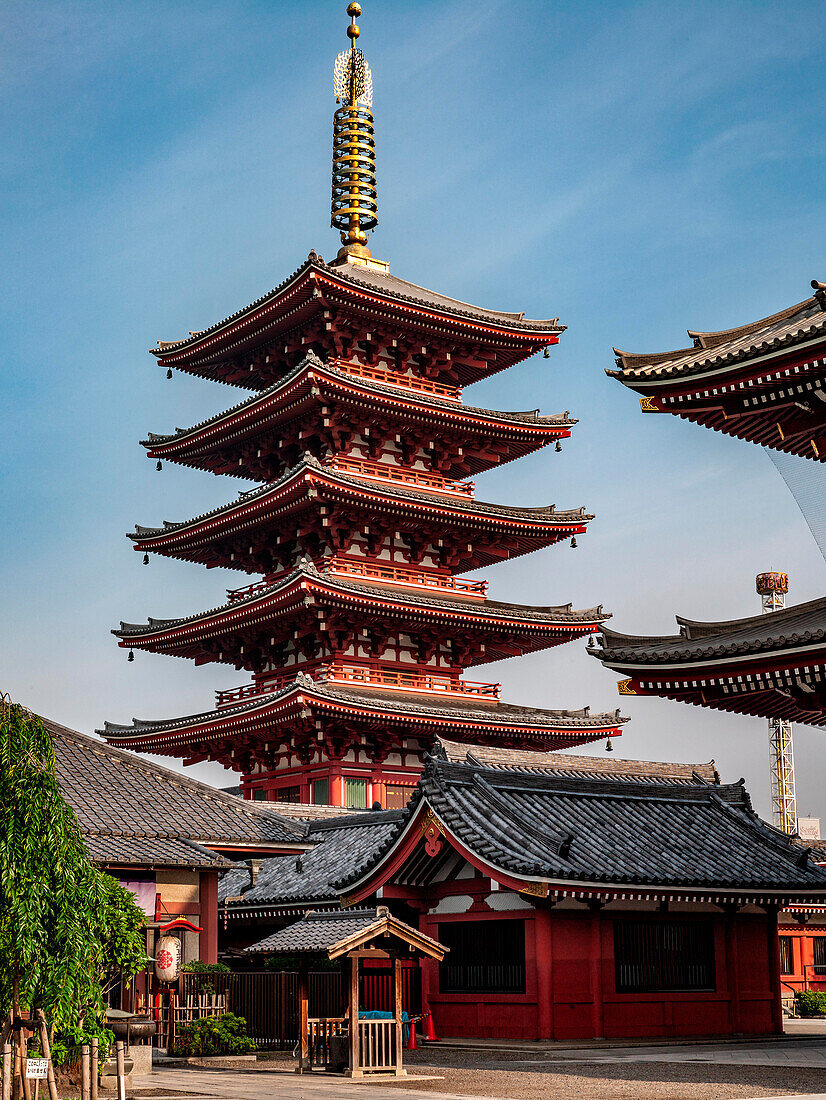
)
(359, 626)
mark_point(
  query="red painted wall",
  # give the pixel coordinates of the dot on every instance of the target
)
(802, 975)
(570, 988)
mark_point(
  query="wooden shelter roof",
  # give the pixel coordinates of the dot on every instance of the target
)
(338, 933)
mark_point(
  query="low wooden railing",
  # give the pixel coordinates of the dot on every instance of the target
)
(321, 1030)
(383, 471)
(248, 590)
(377, 1044)
(403, 381)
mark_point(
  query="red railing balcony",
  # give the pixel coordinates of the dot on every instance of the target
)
(248, 590)
(347, 673)
(401, 475)
(390, 574)
(403, 381)
(396, 680)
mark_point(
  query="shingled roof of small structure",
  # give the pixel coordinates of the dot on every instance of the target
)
(573, 765)
(804, 321)
(136, 813)
(340, 845)
(607, 831)
(700, 642)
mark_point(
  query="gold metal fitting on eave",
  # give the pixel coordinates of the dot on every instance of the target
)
(624, 687)
(354, 207)
(648, 406)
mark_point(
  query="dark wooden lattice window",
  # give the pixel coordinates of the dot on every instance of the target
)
(819, 953)
(663, 955)
(287, 794)
(320, 792)
(485, 957)
(786, 956)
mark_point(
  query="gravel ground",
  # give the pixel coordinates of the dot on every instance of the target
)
(480, 1073)
(483, 1073)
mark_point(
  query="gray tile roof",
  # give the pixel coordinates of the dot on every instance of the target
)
(804, 321)
(337, 845)
(797, 626)
(581, 767)
(128, 808)
(562, 829)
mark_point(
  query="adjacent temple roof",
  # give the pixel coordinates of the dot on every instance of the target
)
(343, 844)
(546, 832)
(133, 813)
(316, 285)
(764, 382)
(579, 767)
(562, 830)
(714, 351)
(767, 665)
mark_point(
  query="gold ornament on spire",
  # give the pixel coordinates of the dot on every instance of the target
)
(354, 205)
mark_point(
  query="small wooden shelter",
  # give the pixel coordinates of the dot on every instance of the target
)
(374, 1045)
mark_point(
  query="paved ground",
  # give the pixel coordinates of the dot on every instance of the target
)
(534, 1071)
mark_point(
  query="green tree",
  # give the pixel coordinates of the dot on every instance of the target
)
(66, 928)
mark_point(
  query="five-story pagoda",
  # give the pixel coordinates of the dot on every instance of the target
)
(360, 632)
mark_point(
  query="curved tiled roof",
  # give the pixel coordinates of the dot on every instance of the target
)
(544, 516)
(490, 714)
(801, 322)
(480, 609)
(798, 626)
(564, 829)
(434, 404)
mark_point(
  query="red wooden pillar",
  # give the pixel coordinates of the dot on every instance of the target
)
(543, 942)
(774, 968)
(733, 970)
(208, 894)
(335, 792)
(597, 1013)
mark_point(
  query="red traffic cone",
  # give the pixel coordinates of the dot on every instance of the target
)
(411, 1037)
(429, 1035)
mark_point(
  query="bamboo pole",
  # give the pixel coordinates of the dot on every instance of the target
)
(7, 1063)
(47, 1053)
(121, 1072)
(94, 1067)
(84, 1072)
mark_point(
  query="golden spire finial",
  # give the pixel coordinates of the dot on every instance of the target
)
(354, 206)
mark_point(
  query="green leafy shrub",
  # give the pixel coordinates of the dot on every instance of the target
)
(225, 1034)
(206, 975)
(809, 1003)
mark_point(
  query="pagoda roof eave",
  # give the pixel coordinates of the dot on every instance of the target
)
(531, 422)
(219, 338)
(720, 352)
(425, 717)
(307, 578)
(310, 468)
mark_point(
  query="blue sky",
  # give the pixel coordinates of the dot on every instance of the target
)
(635, 168)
